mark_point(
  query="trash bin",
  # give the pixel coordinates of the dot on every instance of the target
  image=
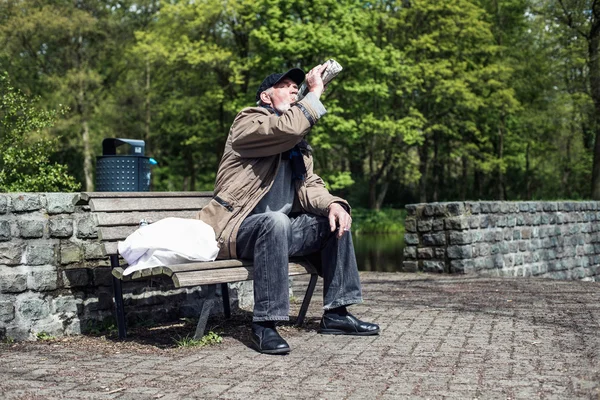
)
(122, 173)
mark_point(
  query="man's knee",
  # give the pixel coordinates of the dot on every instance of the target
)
(277, 223)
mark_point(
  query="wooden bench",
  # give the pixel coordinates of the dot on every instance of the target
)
(118, 214)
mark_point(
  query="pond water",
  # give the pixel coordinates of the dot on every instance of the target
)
(381, 252)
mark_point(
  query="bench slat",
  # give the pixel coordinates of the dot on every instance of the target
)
(86, 196)
(225, 275)
(134, 218)
(147, 203)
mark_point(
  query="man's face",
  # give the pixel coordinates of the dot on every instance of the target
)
(282, 95)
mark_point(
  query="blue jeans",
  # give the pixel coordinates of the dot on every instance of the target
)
(269, 239)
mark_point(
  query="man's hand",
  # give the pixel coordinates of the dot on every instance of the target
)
(338, 217)
(314, 79)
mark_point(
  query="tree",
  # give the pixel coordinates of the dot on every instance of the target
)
(25, 157)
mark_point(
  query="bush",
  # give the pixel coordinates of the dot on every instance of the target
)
(388, 220)
(25, 157)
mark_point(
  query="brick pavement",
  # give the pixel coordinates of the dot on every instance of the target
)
(457, 337)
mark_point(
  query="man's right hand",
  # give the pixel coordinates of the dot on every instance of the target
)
(314, 80)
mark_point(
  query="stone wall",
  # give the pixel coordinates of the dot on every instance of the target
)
(54, 278)
(558, 240)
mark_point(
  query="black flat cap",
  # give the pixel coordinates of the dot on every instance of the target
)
(295, 74)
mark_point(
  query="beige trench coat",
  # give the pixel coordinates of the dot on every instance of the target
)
(249, 166)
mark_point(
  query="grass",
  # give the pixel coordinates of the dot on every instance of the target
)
(105, 327)
(211, 338)
(388, 220)
(43, 336)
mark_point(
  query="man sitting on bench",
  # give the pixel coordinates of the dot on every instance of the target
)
(269, 206)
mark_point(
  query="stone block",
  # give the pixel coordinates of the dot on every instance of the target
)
(516, 234)
(507, 234)
(504, 207)
(481, 250)
(425, 253)
(41, 254)
(410, 252)
(32, 306)
(459, 252)
(411, 209)
(455, 209)
(434, 239)
(3, 204)
(67, 305)
(474, 207)
(26, 202)
(440, 253)
(70, 253)
(438, 225)
(31, 229)
(103, 276)
(5, 234)
(410, 225)
(93, 251)
(60, 203)
(11, 253)
(474, 222)
(511, 221)
(509, 260)
(43, 278)
(429, 210)
(411, 238)
(7, 311)
(75, 277)
(484, 221)
(13, 280)
(456, 223)
(410, 266)
(425, 225)
(433, 266)
(60, 227)
(462, 266)
(460, 237)
(498, 261)
(86, 228)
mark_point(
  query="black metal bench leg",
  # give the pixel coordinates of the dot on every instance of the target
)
(205, 308)
(118, 294)
(226, 304)
(307, 297)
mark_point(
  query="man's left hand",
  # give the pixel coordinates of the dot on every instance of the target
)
(339, 218)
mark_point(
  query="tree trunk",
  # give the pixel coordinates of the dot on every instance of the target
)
(465, 178)
(500, 187)
(87, 157)
(437, 170)
(594, 67)
(423, 153)
(147, 104)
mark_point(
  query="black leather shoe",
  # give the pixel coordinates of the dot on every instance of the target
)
(346, 325)
(268, 341)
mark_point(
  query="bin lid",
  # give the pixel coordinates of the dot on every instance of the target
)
(109, 146)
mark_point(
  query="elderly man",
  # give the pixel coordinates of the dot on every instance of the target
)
(269, 206)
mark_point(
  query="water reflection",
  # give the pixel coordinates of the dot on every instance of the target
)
(381, 253)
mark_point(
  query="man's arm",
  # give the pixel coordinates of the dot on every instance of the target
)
(257, 132)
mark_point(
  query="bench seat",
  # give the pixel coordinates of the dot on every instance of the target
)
(118, 214)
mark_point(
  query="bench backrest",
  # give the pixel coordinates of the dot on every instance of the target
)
(118, 214)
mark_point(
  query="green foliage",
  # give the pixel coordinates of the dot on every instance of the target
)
(384, 221)
(25, 158)
(211, 338)
(105, 327)
(44, 336)
(465, 99)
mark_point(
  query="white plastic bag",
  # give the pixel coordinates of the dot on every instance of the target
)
(167, 242)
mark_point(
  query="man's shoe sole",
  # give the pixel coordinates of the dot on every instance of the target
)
(340, 332)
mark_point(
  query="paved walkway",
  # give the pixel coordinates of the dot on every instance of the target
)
(455, 337)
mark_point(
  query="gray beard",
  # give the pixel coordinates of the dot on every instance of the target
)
(283, 108)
